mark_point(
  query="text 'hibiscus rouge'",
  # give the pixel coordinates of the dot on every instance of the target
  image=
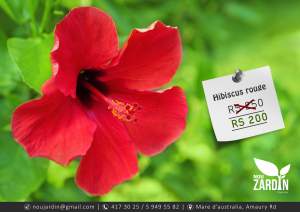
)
(99, 103)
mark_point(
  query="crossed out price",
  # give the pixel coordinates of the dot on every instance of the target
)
(248, 114)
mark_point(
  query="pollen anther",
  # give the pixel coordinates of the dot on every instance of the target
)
(124, 111)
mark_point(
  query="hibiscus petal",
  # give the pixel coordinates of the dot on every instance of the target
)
(160, 120)
(149, 59)
(85, 39)
(112, 157)
(54, 126)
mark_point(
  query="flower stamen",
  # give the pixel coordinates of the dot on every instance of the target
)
(122, 110)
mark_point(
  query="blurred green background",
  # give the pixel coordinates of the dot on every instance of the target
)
(218, 37)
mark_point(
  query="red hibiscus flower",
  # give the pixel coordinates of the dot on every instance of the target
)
(99, 104)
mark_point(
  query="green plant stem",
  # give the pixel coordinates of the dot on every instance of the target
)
(33, 28)
(46, 13)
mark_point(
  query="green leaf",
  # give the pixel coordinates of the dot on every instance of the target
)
(70, 192)
(7, 106)
(75, 3)
(57, 174)
(144, 189)
(8, 69)
(32, 56)
(20, 175)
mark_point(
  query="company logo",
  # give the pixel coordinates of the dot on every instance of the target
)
(272, 179)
